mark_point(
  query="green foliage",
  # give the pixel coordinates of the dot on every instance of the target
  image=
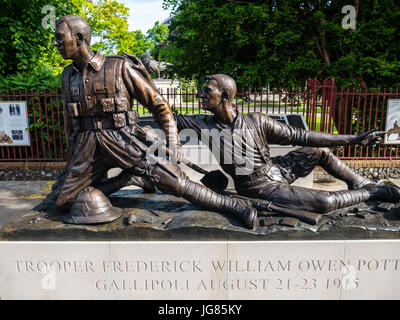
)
(28, 59)
(22, 38)
(282, 43)
(157, 37)
(43, 77)
(109, 22)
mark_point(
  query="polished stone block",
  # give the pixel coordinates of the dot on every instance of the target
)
(228, 270)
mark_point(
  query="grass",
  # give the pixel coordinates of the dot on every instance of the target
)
(183, 110)
(188, 108)
(196, 110)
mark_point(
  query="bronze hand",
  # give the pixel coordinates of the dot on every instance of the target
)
(371, 138)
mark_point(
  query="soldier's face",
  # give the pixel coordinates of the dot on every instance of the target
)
(211, 96)
(65, 43)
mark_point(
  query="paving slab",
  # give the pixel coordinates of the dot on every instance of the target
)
(18, 197)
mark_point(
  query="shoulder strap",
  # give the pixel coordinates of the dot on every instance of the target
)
(109, 72)
(66, 79)
(118, 74)
(260, 144)
(140, 67)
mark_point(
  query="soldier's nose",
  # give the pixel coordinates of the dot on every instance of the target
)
(55, 43)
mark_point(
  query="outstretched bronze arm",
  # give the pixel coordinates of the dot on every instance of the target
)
(279, 133)
(369, 138)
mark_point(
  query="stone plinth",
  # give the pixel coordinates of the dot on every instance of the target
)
(163, 217)
(166, 248)
(223, 270)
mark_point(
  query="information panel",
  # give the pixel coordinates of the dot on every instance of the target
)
(393, 121)
(14, 124)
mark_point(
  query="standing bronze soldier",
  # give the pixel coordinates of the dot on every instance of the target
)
(270, 178)
(103, 133)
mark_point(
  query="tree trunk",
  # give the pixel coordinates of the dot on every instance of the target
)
(322, 39)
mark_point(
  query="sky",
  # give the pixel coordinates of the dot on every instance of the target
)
(144, 13)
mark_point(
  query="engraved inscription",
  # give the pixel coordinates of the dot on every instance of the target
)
(273, 275)
(200, 270)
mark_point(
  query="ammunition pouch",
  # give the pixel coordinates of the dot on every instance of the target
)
(119, 120)
(111, 105)
(107, 105)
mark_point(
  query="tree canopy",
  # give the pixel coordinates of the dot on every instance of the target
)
(28, 59)
(23, 40)
(259, 43)
(108, 20)
(282, 43)
(157, 37)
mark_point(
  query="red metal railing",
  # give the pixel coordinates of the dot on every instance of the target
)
(45, 127)
(351, 111)
(324, 107)
(366, 109)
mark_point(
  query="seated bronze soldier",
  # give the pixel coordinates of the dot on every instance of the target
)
(270, 178)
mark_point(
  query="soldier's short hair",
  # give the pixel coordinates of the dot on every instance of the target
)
(77, 24)
(224, 83)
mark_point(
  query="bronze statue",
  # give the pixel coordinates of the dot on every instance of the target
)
(270, 178)
(103, 133)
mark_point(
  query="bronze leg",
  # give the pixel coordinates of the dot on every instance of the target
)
(75, 182)
(301, 162)
(125, 178)
(335, 167)
(171, 179)
(309, 199)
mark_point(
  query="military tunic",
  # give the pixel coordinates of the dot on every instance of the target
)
(102, 130)
(258, 175)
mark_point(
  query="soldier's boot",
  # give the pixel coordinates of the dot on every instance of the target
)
(125, 178)
(345, 198)
(335, 167)
(339, 199)
(205, 197)
(386, 192)
(171, 179)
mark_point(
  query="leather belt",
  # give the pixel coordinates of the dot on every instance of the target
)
(270, 171)
(115, 121)
(259, 172)
(96, 123)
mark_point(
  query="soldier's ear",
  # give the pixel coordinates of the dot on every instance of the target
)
(79, 37)
(224, 96)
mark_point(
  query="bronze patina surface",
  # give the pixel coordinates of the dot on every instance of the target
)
(103, 133)
(269, 178)
(102, 130)
(157, 216)
(154, 66)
